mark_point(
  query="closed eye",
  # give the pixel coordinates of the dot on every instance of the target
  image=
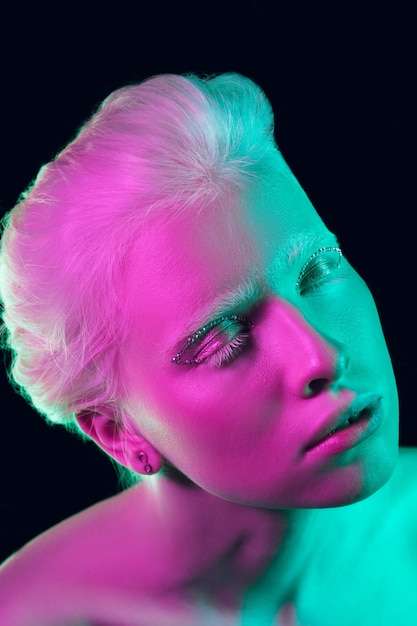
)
(319, 269)
(217, 343)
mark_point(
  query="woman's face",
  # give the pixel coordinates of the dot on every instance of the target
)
(246, 410)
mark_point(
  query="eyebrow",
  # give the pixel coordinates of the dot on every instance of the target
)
(305, 247)
(246, 295)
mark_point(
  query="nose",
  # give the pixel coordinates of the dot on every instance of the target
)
(311, 360)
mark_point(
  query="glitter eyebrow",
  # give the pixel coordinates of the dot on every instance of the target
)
(304, 247)
(300, 248)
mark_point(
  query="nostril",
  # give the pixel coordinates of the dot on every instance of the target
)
(316, 386)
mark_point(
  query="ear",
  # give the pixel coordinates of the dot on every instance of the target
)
(120, 441)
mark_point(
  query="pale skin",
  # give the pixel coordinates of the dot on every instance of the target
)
(273, 530)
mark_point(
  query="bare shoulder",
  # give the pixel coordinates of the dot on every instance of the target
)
(59, 577)
(42, 582)
(34, 580)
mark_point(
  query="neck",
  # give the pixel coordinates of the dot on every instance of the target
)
(225, 551)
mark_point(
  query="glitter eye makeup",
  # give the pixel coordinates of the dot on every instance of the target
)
(218, 342)
(320, 264)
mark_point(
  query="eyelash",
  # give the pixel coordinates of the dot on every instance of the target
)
(318, 268)
(224, 354)
(234, 346)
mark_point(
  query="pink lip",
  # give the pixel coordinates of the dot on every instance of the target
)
(352, 424)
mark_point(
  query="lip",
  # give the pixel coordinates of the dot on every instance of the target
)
(350, 425)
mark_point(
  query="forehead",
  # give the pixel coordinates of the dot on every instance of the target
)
(182, 267)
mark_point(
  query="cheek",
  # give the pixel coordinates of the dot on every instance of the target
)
(350, 316)
(204, 420)
(364, 326)
(195, 402)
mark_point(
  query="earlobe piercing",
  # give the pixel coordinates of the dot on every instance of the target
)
(144, 459)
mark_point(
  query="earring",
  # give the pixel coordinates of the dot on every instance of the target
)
(144, 459)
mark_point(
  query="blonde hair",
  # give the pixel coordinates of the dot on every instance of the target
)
(168, 144)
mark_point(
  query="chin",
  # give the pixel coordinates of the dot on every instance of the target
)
(377, 474)
(362, 478)
(359, 472)
(355, 477)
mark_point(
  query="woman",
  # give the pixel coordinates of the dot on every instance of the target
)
(171, 293)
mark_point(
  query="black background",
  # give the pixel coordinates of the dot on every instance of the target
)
(341, 80)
